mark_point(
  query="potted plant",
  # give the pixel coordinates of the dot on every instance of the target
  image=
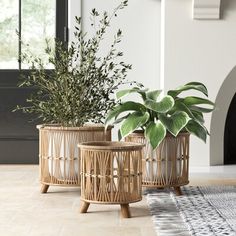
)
(78, 91)
(164, 124)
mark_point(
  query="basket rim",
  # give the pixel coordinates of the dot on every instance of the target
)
(110, 145)
(86, 127)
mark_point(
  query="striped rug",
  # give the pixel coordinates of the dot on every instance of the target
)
(200, 211)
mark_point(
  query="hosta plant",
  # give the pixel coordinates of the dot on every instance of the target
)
(156, 114)
(80, 88)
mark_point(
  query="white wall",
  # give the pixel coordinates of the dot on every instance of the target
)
(140, 23)
(199, 50)
(75, 9)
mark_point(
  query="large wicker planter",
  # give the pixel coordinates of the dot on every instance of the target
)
(168, 165)
(58, 152)
(111, 173)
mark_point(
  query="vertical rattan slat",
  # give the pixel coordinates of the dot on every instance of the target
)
(111, 173)
(168, 165)
(58, 152)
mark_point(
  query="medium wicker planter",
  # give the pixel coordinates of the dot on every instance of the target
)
(168, 165)
(58, 152)
(111, 173)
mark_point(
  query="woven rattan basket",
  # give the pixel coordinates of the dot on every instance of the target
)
(58, 152)
(111, 173)
(168, 165)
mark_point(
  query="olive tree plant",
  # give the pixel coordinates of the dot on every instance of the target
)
(81, 85)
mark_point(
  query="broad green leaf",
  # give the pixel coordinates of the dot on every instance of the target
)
(133, 122)
(122, 93)
(117, 121)
(189, 101)
(153, 95)
(180, 106)
(127, 106)
(199, 86)
(163, 106)
(176, 122)
(192, 85)
(197, 129)
(155, 133)
(125, 92)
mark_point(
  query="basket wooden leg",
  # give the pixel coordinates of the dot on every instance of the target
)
(84, 207)
(44, 188)
(125, 211)
(178, 191)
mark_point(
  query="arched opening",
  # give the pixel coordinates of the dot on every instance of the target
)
(230, 134)
(223, 102)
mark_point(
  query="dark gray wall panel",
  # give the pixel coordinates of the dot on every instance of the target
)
(19, 152)
(18, 136)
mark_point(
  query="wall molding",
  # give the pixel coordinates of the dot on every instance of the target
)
(206, 9)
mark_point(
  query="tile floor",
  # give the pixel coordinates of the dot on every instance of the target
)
(26, 212)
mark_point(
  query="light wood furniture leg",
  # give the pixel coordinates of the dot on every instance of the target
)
(84, 207)
(178, 191)
(125, 211)
(44, 188)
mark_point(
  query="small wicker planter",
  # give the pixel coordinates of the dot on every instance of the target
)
(111, 173)
(58, 152)
(168, 165)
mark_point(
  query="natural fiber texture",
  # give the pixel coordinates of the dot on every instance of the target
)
(59, 155)
(209, 211)
(111, 172)
(168, 165)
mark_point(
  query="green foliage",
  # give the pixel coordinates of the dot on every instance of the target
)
(157, 116)
(163, 106)
(133, 121)
(80, 88)
(155, 132)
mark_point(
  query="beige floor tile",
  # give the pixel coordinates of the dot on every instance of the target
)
(27, 212)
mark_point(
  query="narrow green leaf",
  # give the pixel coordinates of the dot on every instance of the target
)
(155, 133)
(189, 86)
(176, 122)
(197, 129)
(153, 95)
(163, 106)
(133, 122)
